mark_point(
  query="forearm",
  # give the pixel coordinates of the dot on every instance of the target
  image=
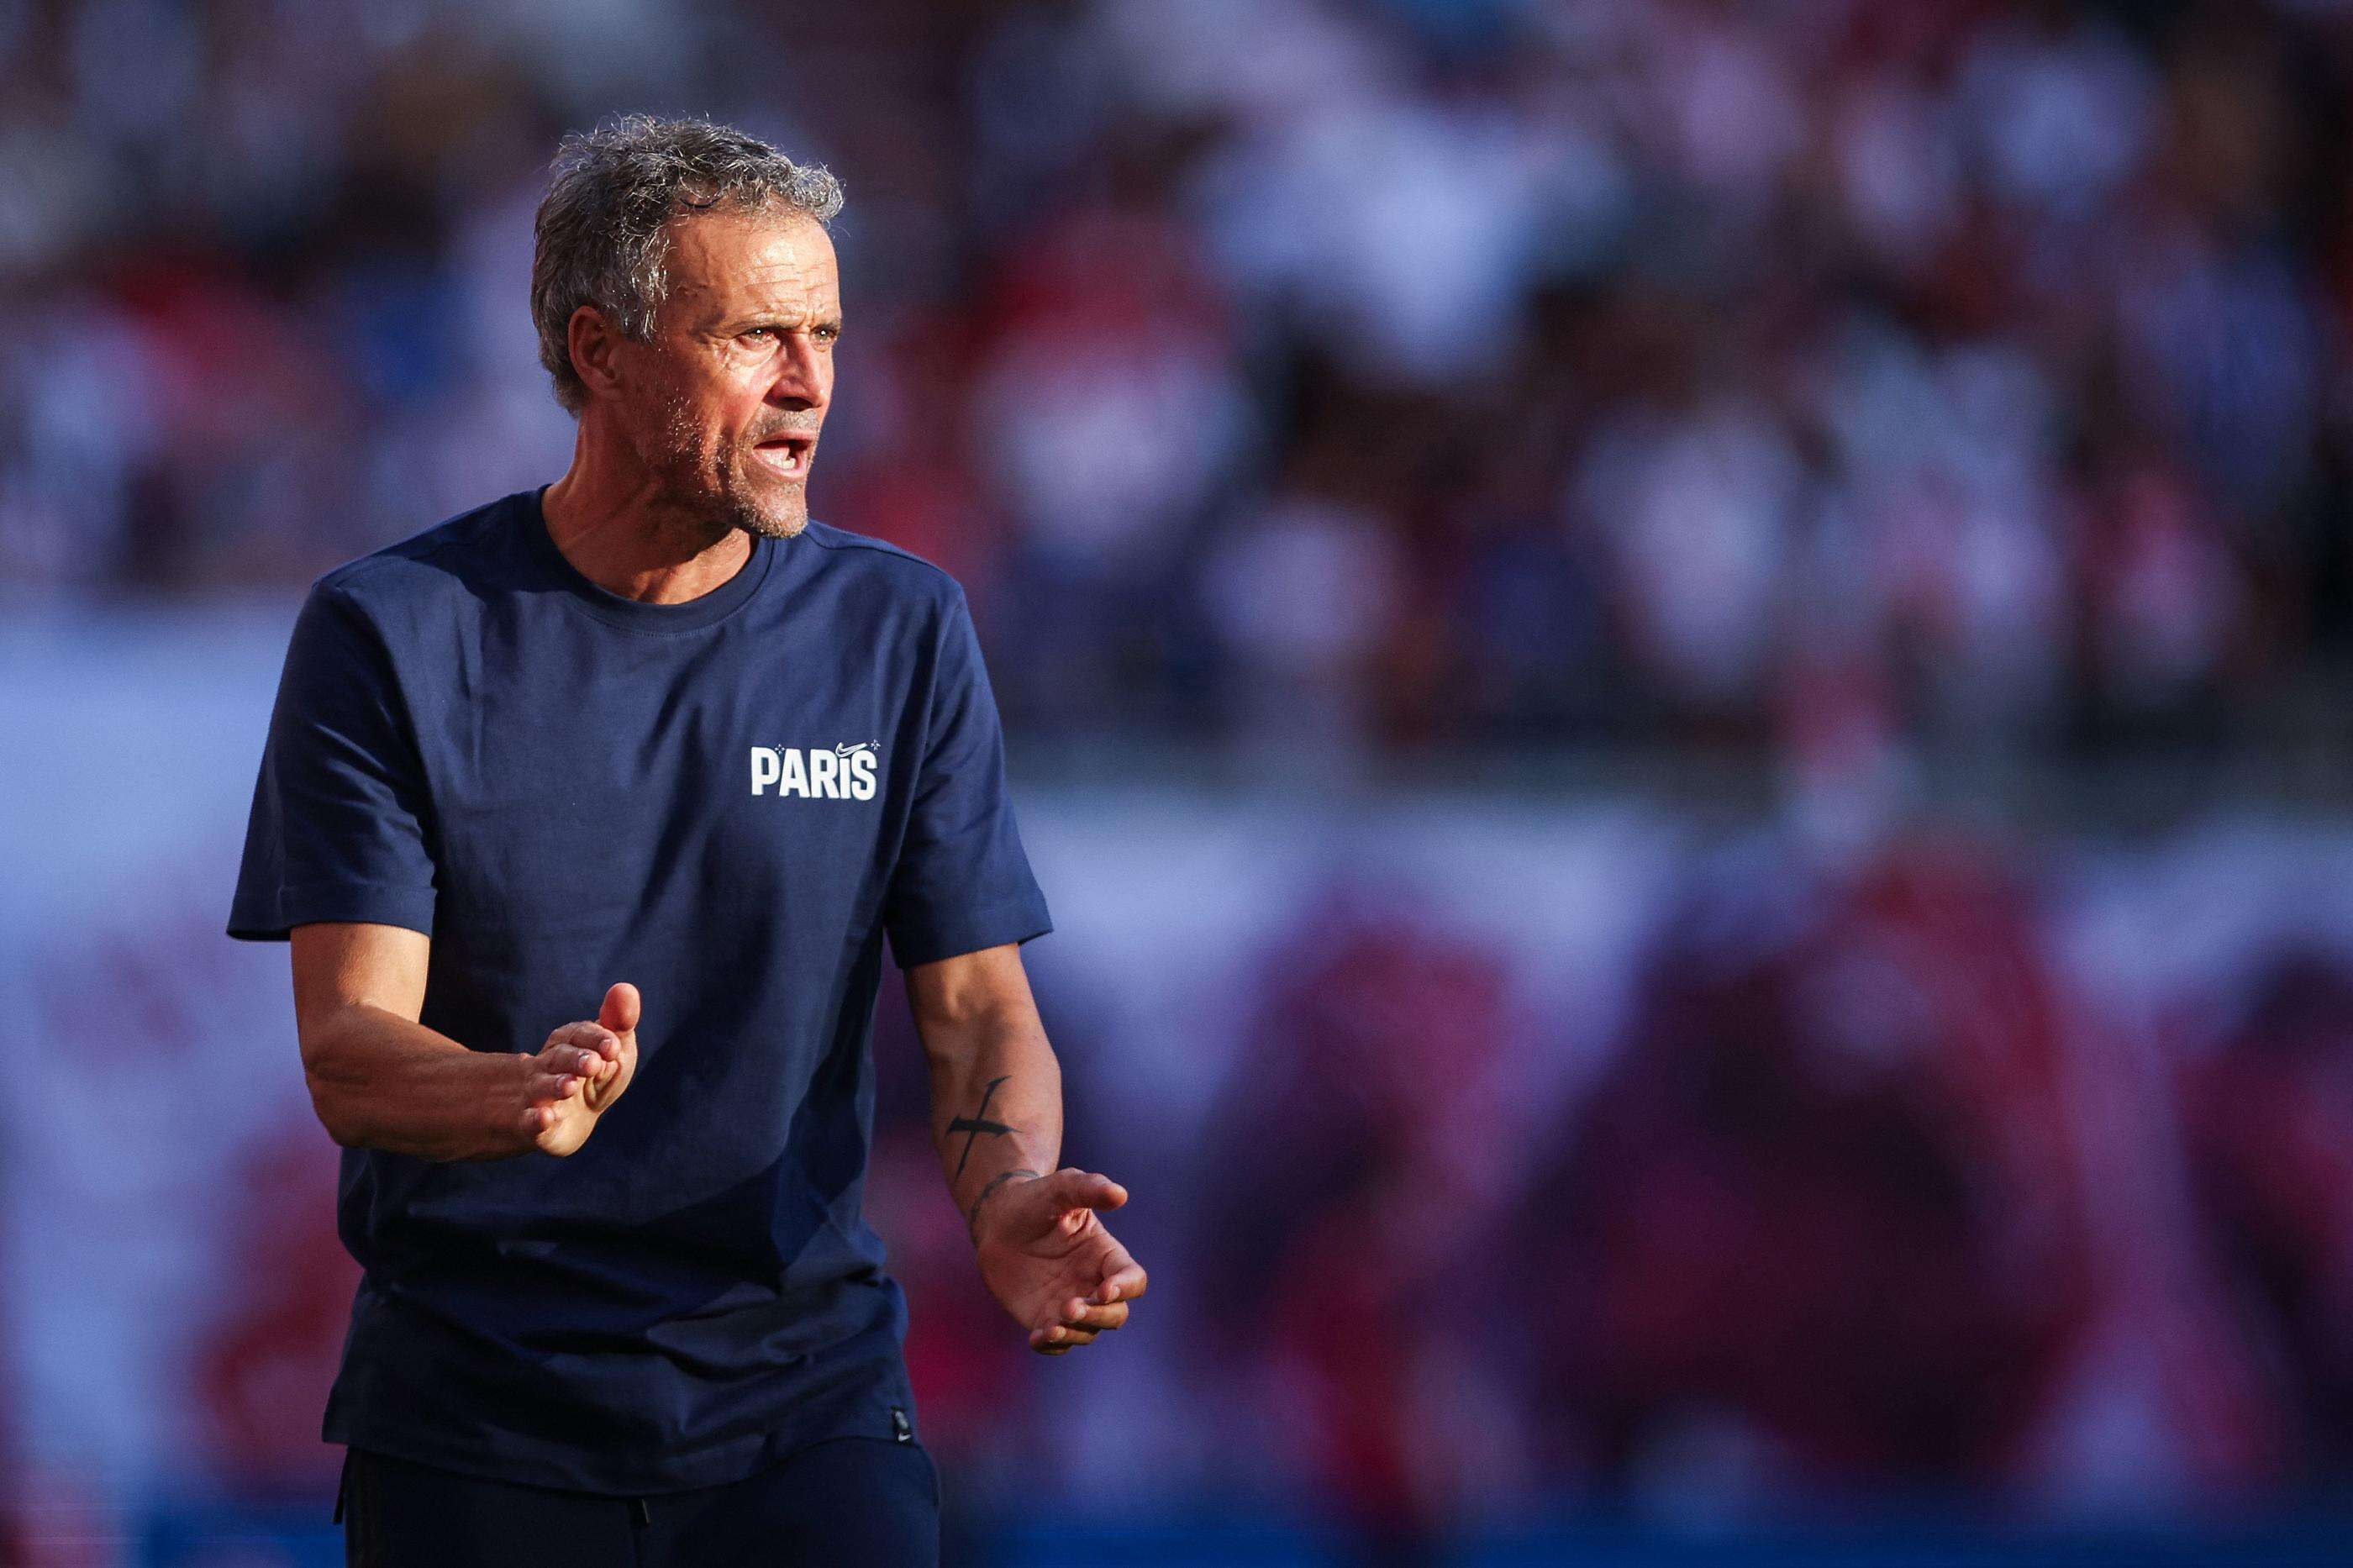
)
(383, 1081)
(997, 1102)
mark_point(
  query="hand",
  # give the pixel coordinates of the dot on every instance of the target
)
(1049, 1260)
(579, 1073)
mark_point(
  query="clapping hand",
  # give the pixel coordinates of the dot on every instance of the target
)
(1049, 1260)
(579, 1073)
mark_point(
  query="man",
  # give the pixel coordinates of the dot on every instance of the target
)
(586, 814)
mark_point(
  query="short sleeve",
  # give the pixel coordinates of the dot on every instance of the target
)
(962, 881)
(338, 826)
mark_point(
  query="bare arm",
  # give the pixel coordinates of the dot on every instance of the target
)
(379, 1078)
(996, 1087)
(996, 1118)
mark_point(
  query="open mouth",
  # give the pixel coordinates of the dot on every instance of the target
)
(787, 455)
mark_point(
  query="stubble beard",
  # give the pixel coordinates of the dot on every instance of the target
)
(719, 489)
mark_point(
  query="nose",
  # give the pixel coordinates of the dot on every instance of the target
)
(804, 379)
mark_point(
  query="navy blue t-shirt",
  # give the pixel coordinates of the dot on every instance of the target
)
(728, 803)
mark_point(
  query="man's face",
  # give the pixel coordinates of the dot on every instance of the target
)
(728, 394)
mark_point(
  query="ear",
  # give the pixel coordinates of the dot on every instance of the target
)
(595, 344)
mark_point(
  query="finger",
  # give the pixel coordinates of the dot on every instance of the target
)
(1059, 1336)
(554, 1085)
(1076, 1313)
(570, 1058)
(1077, 1189)
(621, 1009)
(594, 1038)
(1123, 1278)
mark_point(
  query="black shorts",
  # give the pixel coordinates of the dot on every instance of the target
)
(842, 1500)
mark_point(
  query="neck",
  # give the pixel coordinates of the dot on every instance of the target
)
(613, 520)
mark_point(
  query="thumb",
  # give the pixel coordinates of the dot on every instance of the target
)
(1077, 1189)
(621, 1008)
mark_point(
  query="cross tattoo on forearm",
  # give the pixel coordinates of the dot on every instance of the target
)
(975, 1125)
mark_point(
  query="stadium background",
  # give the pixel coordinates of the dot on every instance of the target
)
(1678, 672)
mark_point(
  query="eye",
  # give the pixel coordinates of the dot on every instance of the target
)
(760, 331)
(828, 333)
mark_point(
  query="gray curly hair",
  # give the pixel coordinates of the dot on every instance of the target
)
(601, 236)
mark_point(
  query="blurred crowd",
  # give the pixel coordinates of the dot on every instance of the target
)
(1932, 1177)
(1944, 1176)
(1821, 375)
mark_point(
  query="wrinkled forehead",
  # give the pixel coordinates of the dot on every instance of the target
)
(729, 262)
